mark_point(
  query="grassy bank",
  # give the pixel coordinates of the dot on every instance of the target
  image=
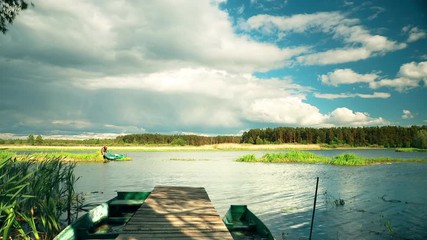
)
(63, 156)
(347, 159)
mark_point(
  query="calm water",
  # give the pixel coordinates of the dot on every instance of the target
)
(381, 201)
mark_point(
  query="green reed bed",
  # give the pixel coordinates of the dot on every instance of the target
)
(292, 156)
(36, 198)
(63, 156)
(68, 157)
(347, 159)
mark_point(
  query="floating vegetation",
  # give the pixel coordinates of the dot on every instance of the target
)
(332, 201)
(346, 159)
(291, 156)
(410, 150)
(339, 202)
(247, 158)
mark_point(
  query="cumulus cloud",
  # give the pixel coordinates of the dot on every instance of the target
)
(81, 61)
(407, 114)
(333, 23)
(346, 117)
(410, 75)
(233, 98)
(346, 76)
(117, 35)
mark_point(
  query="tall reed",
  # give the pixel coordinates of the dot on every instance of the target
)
(34, 196)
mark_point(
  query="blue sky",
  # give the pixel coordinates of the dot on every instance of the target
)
(88, 69)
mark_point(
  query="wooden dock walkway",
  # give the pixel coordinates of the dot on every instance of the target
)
(176, 213)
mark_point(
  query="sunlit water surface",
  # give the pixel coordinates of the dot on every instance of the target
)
(380, 202)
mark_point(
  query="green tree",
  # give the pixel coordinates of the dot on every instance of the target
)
(30, 139)
(179, 142)
(421, 139)
(9, 9)
(39, 140)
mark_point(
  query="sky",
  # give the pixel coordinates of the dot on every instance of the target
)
(99, 69)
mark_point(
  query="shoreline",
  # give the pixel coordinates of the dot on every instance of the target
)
(166, 148)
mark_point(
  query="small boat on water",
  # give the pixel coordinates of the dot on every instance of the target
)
(243, 224)
(106, 220)
(114, 156)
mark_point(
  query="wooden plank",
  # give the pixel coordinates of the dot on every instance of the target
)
(176, 213)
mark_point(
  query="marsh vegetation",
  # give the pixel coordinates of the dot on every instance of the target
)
(345, 159)
(36, 198)
(62, 156)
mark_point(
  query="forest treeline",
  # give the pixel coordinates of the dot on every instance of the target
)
(386, 136)
(131, 139)
(194, 140)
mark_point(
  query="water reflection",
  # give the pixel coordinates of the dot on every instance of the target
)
(381, 201)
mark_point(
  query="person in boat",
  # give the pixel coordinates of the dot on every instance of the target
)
(104, 151)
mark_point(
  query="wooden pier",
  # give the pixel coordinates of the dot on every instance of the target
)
(176, 213)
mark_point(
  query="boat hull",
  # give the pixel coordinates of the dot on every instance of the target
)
(113, 156)
(243, 224)
(105, 220)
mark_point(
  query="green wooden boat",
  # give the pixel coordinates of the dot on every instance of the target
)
(114, 156)
(243, 224)
(106, 220)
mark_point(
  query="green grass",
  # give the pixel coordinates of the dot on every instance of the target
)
(71, 157)
(63, 156)
(347, 159)
(292, 156)
(36, 198)
(410, 150)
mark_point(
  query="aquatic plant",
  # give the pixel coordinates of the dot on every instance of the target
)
(34, 196)
(347, 159)
(66, 156)
(291, 156)
(247, 158)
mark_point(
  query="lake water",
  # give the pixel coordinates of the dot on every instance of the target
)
(380, 201)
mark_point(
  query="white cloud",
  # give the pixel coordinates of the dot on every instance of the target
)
(117, 35)
(346, 117)
(346, 76)
(414, 33)
(220, 98)
(189, 69)
(201, 81)
(289, 110)
(331, 23)
(410, 75)
(374, 95)
(352, 95)
(407, 114)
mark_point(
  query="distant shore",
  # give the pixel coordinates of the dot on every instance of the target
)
(173, 148)
(162, 148)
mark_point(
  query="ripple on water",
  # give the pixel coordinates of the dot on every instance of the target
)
(282, 194)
